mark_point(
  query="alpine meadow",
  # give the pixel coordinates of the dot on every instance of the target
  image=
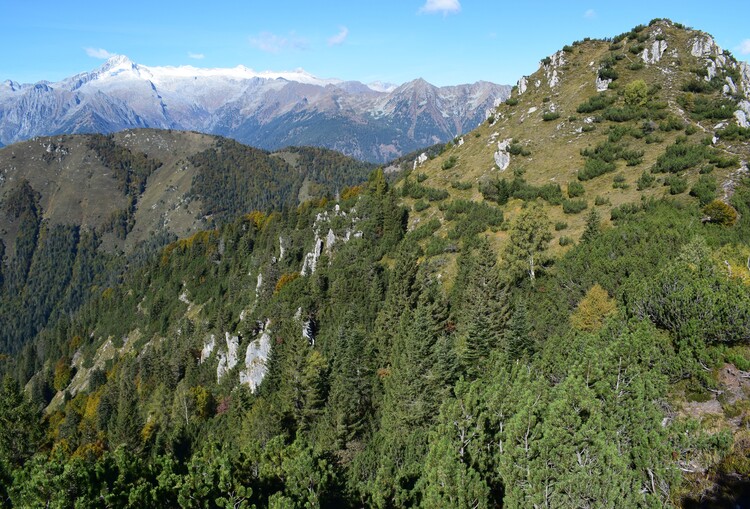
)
(546, 305)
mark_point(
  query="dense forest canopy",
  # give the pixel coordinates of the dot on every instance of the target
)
(502, 389)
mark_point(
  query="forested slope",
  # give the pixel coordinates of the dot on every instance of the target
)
(75, 211)
(385, 387)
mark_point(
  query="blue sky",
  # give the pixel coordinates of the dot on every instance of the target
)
(443, 41)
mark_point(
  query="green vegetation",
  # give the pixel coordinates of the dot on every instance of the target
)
(461, 186)
(501, 190)
(677, 185)
(421, 205)
(575, 189)
(619, 182)
(707, 108)
(704, 189)
(418, 191)
(511, 339)
(234, 178)
(574, 206)
(601, 159)
(595, 167)
(450, 162)
(516, 149)
(720, 213)
(645, 181)
(680, 157)
(596, 103)
(734, 132)
(130, 169)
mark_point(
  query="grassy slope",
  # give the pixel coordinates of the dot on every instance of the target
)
(556, 145)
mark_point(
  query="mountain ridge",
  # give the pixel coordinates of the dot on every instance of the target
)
(265, 109)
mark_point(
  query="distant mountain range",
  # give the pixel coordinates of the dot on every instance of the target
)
(376, 122)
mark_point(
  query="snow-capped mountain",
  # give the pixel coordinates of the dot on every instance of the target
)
(374, 122)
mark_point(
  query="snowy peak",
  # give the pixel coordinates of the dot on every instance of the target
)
(117, 62)
(117, 65)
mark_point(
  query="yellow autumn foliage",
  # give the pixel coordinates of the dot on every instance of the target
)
(593, 309)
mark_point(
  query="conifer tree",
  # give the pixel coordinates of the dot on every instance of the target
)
(304, 378)
(351, 385)
(529, 237)
(518, 341)
(127, 424)
(20, 430)
(486, 305)
(448, 482)
(400, 297)
(593, 226)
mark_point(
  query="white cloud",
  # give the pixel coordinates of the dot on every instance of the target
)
(744, 47)
(272, 43)
(339, 38)
(98, 53)
(443, 6)
(589, 14)
(196, 56)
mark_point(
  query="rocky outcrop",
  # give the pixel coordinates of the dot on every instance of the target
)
(743, 113)
(729, 88)
(523, 84)
(653, 54)
(321, 243)
(281, 248)
(551, 69)
(502, 156)
(310, 262)
(208, 349)
(702, 46)
(745, 78)
(602, 85)
(228, 358)
(308, 331)
(420, 160)
(256, 359)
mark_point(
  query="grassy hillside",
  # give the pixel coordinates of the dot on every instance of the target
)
(558, 127)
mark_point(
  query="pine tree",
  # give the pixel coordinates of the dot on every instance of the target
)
(486, 309)
(449, 482)
(20, 429)
(409, 398)
(351, 385)
(593, 226)
(400, 297)
(529, 237)
(2, 265)
(518, 341)
(303, 379)
(126, 428)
